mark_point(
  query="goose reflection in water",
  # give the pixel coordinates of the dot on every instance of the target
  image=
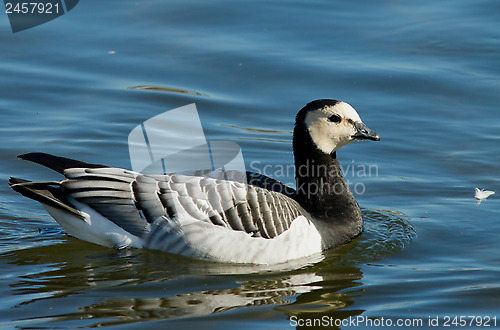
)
(305, 290)
(81, 281)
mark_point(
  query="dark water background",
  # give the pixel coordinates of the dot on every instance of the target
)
(424, 75)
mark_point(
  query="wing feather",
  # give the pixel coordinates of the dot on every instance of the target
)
(245, 216)
(109, 192)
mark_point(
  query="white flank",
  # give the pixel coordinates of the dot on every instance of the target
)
(204, 240)
(482, 194)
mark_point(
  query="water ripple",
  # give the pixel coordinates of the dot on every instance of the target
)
(168, 90)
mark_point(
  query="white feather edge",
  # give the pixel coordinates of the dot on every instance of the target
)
(481, 194)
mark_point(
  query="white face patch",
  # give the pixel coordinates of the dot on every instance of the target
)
(330, 136)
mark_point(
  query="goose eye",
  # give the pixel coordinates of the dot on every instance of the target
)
(335, 118)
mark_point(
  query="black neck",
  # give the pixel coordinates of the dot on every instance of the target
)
(321, 188)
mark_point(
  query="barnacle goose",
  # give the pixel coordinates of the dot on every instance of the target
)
(212, 216)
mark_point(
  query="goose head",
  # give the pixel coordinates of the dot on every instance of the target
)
(332, 124)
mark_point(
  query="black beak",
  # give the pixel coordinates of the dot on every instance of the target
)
(364, 133)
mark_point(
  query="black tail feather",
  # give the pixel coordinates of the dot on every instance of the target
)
(13, 181)
(58, 164)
